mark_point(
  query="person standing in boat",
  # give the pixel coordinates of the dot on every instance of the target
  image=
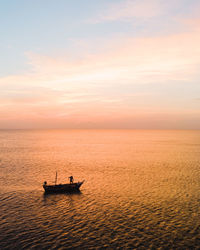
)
(71, 179)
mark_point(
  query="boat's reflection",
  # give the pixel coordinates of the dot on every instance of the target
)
(59, 197)
(63, 193)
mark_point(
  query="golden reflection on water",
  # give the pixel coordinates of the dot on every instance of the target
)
(141, 188)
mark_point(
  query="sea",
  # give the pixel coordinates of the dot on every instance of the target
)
(141, 189)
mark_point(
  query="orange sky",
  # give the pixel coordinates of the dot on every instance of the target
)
(137, 78)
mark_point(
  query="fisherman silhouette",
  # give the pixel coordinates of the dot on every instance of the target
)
(71, 178)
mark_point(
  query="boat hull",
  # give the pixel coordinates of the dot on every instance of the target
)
(63, 188)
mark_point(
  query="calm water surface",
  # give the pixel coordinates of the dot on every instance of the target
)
(141, 190)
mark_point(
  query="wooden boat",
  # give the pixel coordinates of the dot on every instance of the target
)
(62, 188)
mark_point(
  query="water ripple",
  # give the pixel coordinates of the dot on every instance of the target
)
(141, 190)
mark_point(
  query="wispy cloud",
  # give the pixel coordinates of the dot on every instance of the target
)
(128, 9)
(87, 89)
(131, 60)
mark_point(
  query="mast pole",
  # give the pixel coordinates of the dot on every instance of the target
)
(56, 178)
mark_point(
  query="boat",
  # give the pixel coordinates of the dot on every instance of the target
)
(63, 188)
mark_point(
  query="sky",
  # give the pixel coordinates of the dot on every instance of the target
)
(122, 64)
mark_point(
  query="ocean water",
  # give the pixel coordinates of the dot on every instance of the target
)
(141, 189)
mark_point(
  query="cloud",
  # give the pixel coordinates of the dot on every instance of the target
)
(192, 24)
(130, 61)
(126, 10)
(100, 88)
(143, 10)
